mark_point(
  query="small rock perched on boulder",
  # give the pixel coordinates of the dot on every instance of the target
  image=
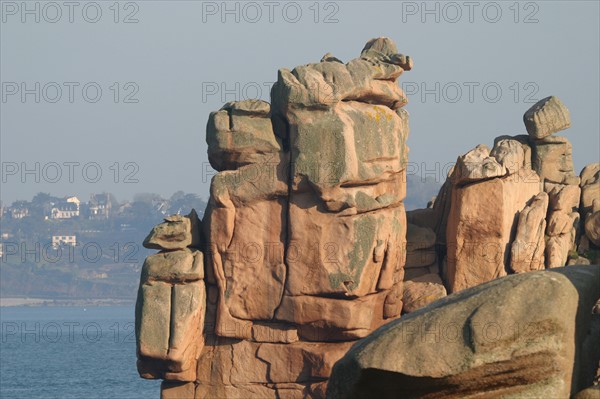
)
(547, 117)
(176, 232)
(239, 134)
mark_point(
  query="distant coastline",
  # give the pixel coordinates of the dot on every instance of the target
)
(40, 302)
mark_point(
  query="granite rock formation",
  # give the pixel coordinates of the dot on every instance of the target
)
(590, 204)
(527, 249)
(170, 306)
(483, 195)
(484, 342)
(547, 117)
(304, 237)
(305, 248)
(516, 208)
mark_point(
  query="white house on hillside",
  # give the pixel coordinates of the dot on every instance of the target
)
(64, 240)
(66, 209)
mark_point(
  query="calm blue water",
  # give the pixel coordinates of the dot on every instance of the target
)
(70, 352)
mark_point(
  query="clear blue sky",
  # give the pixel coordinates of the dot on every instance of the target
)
(180, 55)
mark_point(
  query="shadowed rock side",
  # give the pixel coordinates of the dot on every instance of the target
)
(483, 342)
(305, 236)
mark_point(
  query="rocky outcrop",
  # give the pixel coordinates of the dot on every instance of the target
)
(482, 342)
(305, 234)
(420, 251)
(476, 165)
(527, 249)
(305, 247)
(562, 222)
(422, 283)
(421, 291)
(494, 225)
(590, 203)
(484, 212)
(552, 160)
(240, 134)
(171, 301)
(547, 117)
(590, 186)
(592, 224)
(176, 232)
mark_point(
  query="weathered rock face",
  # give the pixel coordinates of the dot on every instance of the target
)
(436, 216)
(509, 155)
(175, 232)
(245, 224)
(420, 249)
(171, 302)
(481, 224)
(241, 134)
(552, 160)
(592, 224)
(489, 230)
(476, 165)
(234, 369)
(482, 342)
(590, 202)
(421, 291)
(590, 186)
(560, 230)
(527, 249)
(305, 234)
(305, 247)
(421, 276)
(547, 117)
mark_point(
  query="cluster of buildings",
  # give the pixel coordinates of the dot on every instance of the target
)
(98, 207)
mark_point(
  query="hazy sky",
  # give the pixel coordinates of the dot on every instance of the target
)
(482, 65)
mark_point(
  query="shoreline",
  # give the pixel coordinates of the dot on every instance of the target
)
(50, 302)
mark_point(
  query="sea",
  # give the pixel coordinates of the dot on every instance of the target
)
(70, 352)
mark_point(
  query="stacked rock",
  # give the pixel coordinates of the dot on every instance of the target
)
(422, 282)
(305, 229)
(170, 306)
(552, 160)
(514, 208)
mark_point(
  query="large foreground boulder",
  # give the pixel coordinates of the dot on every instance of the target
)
(522, 336)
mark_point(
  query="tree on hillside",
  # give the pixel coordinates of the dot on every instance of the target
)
(41, 204)
(147, 198)
(184, 203)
